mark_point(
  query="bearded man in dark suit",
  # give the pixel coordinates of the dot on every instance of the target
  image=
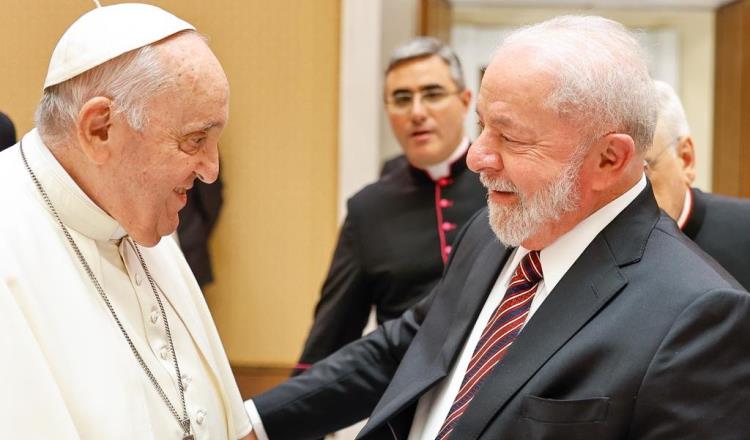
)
(593, 317)
(718, 224)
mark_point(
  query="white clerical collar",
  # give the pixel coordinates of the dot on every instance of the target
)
(559, 256)
(443, 169)
(687, 208)
(73, 206)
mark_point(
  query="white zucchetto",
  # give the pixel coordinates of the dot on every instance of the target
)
(107, 32)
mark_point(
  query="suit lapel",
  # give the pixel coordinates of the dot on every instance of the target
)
(593, 280)
(418, 372)
(471, 300)
(579, 295)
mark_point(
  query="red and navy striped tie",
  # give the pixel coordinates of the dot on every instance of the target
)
(501, 330)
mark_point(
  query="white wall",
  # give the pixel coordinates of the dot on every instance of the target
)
(370, 30)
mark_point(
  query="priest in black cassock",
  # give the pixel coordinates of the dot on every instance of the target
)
(716, 223)
(398, 231)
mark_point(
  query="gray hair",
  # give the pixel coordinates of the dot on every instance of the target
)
(427, 46)
(129, 80)
(601, 72)
(671, 113)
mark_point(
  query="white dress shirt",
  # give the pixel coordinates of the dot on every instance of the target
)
(80, 359)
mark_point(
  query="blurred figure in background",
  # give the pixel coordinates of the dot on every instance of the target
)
(399, 231)
(7, 132)
(197, 221)
(718, 224)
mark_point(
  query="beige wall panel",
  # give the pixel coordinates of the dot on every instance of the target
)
(279, 152)
(696, 33)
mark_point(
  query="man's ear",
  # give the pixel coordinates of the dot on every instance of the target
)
(94, 129)
(686, 155)
(614, 158)
(465, 97)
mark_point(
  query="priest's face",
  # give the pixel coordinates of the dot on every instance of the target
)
(156, 167)
(426, 109)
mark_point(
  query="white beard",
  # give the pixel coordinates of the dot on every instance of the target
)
(514, 224)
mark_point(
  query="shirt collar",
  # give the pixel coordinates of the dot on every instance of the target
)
(559, 256)
(443, 169)
(75, 208)
(687, 209)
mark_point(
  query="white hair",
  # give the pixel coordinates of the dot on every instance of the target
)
(671, 113)
(601, 74)
(129, 80)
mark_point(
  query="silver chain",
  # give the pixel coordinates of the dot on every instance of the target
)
(183, 422)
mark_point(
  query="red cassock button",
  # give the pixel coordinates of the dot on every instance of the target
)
(447, 226)
(444, 181)
(445, 203)
(448, 250)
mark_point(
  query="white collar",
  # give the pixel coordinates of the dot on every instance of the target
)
(73, 206)
(443, 168)
(558, 257)
(687, 208)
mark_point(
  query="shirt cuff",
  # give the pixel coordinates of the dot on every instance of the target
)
(252, 412)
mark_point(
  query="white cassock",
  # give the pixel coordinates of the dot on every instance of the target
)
(66, 371)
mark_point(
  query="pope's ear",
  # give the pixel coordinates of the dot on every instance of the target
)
(93, 126)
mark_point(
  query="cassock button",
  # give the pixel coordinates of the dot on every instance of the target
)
(448, 250)
(186, 381)
(200, 416)
(164, 352)
(154, 316)
(444, 181)
(445, 203)
(138, 279)
(448, 226)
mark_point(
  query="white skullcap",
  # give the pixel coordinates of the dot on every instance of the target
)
(107, 32)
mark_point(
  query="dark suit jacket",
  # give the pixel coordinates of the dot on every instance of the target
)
(389, 250)
(197, 220)
(720, 225)
(645, 337)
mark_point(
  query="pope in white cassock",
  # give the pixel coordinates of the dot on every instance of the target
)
(104, 333)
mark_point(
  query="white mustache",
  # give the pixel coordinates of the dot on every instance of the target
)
(497, 184)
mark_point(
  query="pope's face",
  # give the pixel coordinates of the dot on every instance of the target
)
(179, 143)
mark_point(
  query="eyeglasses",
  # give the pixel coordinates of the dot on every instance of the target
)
(433, 99)
(650, 163)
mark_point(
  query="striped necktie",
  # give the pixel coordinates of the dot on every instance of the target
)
(501, 330)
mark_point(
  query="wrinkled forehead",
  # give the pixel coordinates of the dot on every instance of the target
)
(191, 63)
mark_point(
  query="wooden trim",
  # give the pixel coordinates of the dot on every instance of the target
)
(255, 379)
(436, 19)
(731, 162)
